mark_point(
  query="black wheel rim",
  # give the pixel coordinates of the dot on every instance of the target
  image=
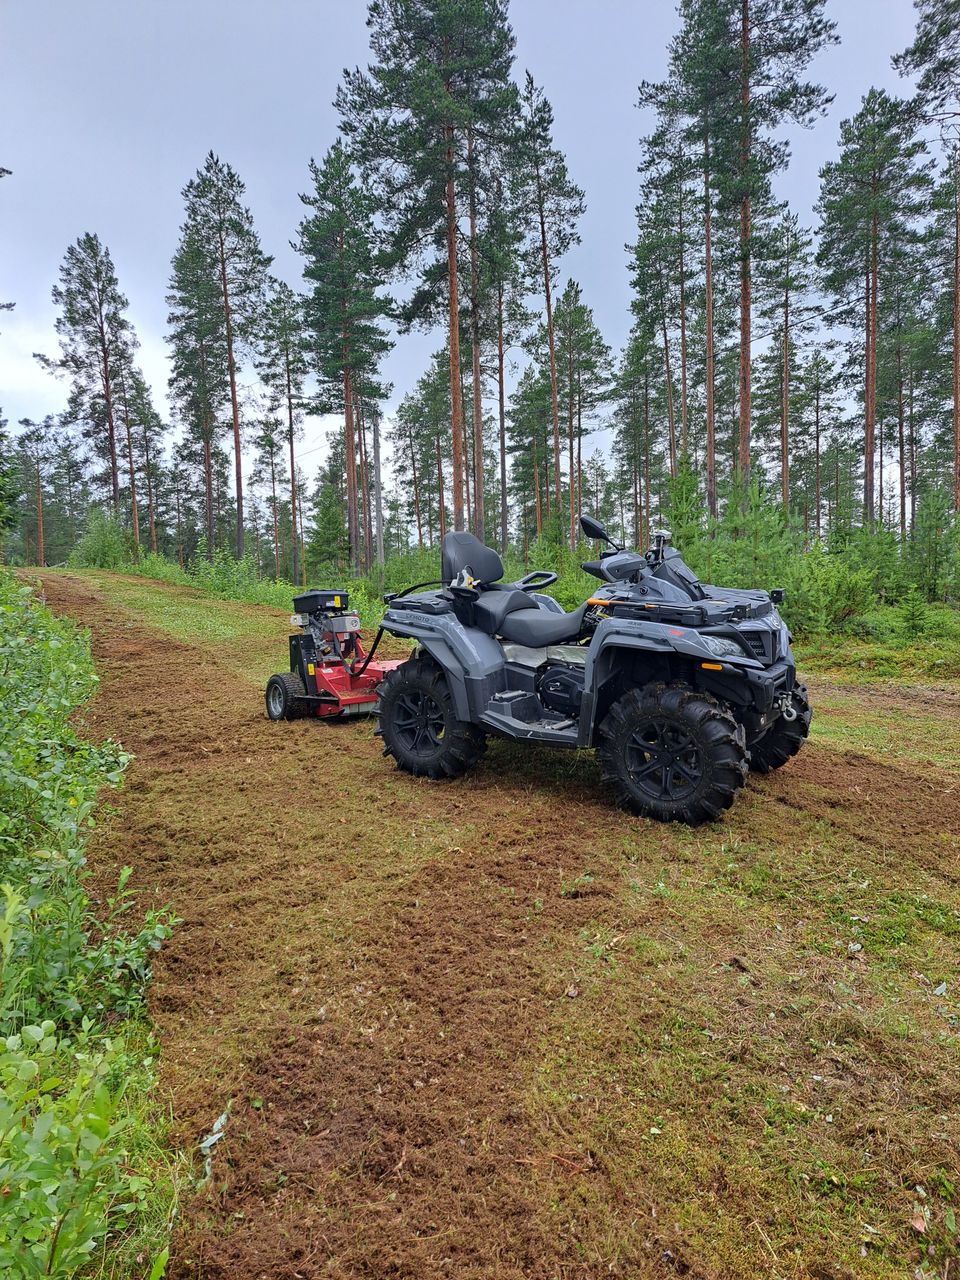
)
(418, 722)
(663, 760)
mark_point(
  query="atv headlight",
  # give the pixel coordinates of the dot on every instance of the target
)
(721, 647)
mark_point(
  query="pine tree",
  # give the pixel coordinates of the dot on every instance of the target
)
(786, 286)
(8, 480)
(343, 309)
(96, 339)
(870, 200)
(503, 280)
(934, 57)
(557, 204)
(221, 232)
(584, 377)
(267, 468)
(441, 76)
(199, 383)
(36, 447)
(283, 368)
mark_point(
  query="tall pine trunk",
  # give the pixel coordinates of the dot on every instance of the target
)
(646, 459)
(294, 541)
(41, 550)
(107, 383)
(956, 330)
(478, 508)
(902, 448)
(350, 456)
(746, 232)
(441, 510)
(502, 409)
(208, 488)
(671, 423)
(132, 471)
(785, 411)
(456, 397)
(683, 330)
(416, 490)
(572, 474)
(364, 489)
(870, 408)
(816, 453)
(377, 489)
(551, 345)
(276, 522)
(234, 398)
(151, 507)
(711, 443)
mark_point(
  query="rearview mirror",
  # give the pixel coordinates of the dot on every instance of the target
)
(594, 529)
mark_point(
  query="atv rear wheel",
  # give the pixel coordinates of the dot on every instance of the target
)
(672, 754)
(785, 737)
(285, 697)
(418, 722)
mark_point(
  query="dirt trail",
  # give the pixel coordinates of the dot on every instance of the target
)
(366, 962)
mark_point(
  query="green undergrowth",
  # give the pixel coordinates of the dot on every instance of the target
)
(844, 622)
(86, 1185)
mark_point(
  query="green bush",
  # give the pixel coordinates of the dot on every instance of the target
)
(65, 1149)
(66, 972)
(105, 545)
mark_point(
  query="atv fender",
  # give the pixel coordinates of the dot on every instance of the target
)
(665, 647)
(471, 661)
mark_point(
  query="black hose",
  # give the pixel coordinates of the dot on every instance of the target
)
(354, 670)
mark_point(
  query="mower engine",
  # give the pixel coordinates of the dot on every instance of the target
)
(330, 672)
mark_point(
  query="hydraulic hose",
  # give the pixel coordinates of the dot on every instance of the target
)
(355, 670)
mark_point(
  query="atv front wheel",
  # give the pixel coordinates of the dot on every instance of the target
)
(672, 754)
(285, 697)
(785, 737)
(418, 722)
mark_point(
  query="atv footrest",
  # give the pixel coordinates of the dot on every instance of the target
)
(559, 733)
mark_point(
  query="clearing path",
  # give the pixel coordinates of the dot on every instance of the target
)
(499, 1029)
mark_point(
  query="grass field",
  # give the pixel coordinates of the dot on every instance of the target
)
(498, 1028)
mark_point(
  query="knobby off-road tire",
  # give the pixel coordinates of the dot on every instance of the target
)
(285, 697)
(672, 754)
(417, 720)
(785, 737)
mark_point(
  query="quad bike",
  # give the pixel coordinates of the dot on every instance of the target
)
(680, 687)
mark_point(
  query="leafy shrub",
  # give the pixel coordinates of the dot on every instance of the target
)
(64, 1148)
(65, 972)
(105, 545)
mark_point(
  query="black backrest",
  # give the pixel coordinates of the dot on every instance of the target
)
(464, 551)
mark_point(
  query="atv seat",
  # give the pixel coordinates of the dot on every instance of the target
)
(536, 628)
(502, 609)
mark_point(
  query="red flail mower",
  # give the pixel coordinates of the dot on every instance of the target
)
(331, 675)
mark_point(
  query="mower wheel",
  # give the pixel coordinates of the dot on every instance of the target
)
(672, 754)
(418, 722)
(285, 697)
(785, 737)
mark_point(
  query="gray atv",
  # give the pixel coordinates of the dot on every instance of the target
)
(680, 687)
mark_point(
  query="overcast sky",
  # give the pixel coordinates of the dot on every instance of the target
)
(111, 105)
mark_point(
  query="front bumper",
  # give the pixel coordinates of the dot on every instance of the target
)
(755, 694)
